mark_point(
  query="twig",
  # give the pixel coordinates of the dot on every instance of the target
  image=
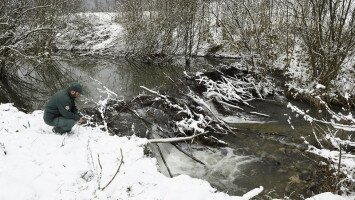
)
(118, 169)
(202, 103)
(91, 160)
(260, 114)
(184, 152)
(176, 145)
(140, 117)
(30, 9)
(162, 157)
(63, 142)
(339, 164)
(241, 109)
(100, 174)
(30, 32)
(2, 147)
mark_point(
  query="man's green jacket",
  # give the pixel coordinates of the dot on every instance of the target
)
(61, 105)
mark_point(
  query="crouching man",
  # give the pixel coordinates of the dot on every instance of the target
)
(61, 112)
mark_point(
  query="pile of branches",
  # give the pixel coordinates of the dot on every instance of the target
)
(157, 116)
(231, 88)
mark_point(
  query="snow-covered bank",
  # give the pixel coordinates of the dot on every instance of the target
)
(330, 196)
(37, 164)
(98, 33)
(303, 87)
(94, 33)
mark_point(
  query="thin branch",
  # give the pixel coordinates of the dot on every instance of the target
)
(100, 174)
(30, 9)
(166, 165)
(189, 155)
(17, 51)
(170, 140)
(118, 169)
(339, 163)
(2, 147)
(30, 32)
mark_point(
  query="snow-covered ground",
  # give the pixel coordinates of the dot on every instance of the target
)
(96, 33)
(37, 164)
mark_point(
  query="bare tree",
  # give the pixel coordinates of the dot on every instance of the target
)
(327, 29)
(159, 27)
(27, 29)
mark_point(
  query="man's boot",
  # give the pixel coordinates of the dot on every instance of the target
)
(58, 130)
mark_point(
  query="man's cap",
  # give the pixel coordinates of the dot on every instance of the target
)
(76, 87)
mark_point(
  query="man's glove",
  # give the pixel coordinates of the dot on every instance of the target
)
(82, 120)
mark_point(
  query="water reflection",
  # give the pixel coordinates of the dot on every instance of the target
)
(27, 83)
(124, 77)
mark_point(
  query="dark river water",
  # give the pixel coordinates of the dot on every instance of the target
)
(263, 151)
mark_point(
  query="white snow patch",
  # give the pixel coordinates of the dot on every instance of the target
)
(330, 196)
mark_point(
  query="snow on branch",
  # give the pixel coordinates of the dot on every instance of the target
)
(29, 33)
(194, 123)
(182, 118)
(335, 140)
(231, 88)
(170, 140)
(165, 98)
(31, 9)
(102, 104)
(308, 118)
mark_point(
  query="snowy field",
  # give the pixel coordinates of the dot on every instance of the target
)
(37, 164)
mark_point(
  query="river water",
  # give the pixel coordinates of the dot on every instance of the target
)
(263, 152)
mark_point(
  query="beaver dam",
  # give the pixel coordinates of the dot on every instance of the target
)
(223, 126)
